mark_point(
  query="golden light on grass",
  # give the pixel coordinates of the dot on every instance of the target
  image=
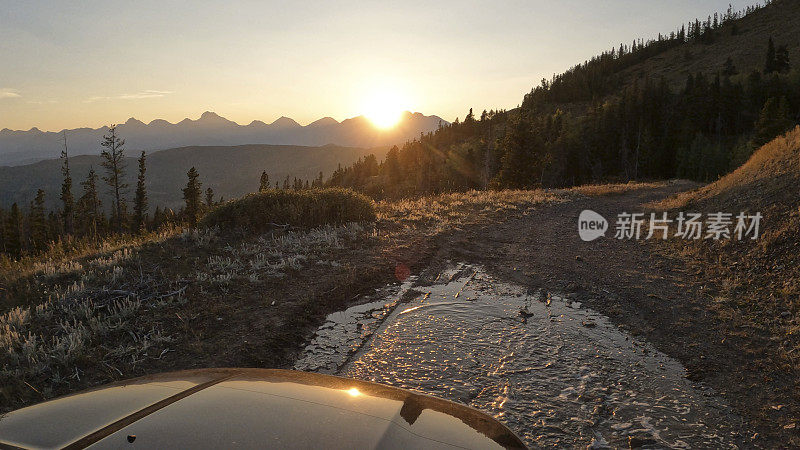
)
(384, 106)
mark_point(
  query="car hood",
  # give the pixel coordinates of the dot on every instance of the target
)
(248, 408)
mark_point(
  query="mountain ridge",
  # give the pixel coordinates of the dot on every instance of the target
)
(20, 147)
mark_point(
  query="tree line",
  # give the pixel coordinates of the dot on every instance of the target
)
(82, 216)
(574, 129)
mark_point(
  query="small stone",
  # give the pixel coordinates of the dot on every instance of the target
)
(639, 442)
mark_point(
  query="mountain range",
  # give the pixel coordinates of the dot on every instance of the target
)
(25, 147)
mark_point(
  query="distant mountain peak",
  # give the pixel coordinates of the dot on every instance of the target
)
(133, 121)
(325, 121)
(210, 115)
(285, 122)
(160, 122)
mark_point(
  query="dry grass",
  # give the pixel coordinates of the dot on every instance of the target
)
(274, 255)
(67, 258)
(102, 311)
(758, 282)
(597, 190)
(439, 213)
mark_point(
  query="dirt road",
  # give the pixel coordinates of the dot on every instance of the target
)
(641, 290)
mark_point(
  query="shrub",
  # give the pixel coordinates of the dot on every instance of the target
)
(305, 208)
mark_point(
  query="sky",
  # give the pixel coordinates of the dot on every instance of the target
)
(91, 63)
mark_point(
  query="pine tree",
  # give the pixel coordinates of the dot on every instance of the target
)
(264, 184)
(114, 163)
(191, 197)
(774, 120)
(210, 198)
(318, 182)
(140, 200)
(770, 65)
(67, 200)
(38, 223)
(392, 166)
(519, 163)
(89, 205)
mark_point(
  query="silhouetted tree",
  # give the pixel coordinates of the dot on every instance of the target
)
(264, 182)
(67, 200)
(770, 65)
(114, 163)
(89, 205)
(209, 198)
(140, 198)
(191, 197)
(38, 224)
(773, 121)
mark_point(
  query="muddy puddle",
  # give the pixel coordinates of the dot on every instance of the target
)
(557, 373)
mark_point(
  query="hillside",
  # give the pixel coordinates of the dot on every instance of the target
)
(25, 147)
(692, 104)
(744, 41)
(229, 171)
(769, 183)
(752, 288)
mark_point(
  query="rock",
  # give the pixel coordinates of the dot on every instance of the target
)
(640, 441)
(597, 444)
(588, 324)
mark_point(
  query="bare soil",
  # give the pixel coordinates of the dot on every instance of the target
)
(664, 298)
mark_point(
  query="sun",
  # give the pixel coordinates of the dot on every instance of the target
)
(384, 107)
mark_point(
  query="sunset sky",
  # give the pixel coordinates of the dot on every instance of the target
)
(72, 64)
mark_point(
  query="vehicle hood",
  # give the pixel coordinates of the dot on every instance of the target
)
(248, 408)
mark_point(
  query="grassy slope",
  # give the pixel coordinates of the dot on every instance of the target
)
(754, 286)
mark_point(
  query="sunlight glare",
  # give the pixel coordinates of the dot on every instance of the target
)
(384, 107)
(353, 392)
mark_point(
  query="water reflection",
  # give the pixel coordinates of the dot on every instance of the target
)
(555, 372)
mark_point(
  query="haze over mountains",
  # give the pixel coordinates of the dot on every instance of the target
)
(231, 171)
(25, 147)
